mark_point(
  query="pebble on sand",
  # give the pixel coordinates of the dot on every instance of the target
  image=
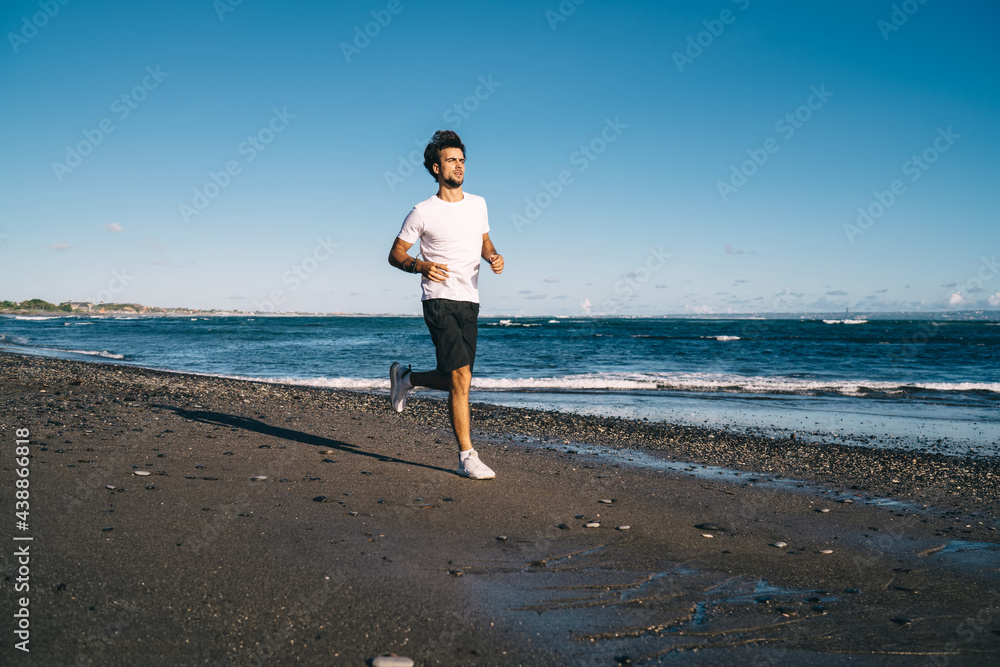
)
(626, 527)
(592, 524)
(780, 545)
(110, 487)
(710, 526)
(605, 501)
(707, 535)
(258, 478)
(392, 661)
(502, 538)
(141, 473)
(823, 510)
(825, 551)
(456, 573)
(319, 499)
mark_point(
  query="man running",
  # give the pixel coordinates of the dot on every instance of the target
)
(453, 230)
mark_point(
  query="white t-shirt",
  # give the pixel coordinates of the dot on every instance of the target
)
(450, 233)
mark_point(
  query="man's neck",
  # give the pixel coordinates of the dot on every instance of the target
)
(450, 194)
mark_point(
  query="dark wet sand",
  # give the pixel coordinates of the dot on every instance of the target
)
(201, 565)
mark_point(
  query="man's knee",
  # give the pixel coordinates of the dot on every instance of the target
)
(461, 379)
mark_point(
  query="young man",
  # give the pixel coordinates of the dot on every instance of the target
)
(453, 231)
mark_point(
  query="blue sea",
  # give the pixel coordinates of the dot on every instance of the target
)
(930, 384)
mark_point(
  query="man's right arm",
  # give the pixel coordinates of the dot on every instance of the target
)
(399, 258)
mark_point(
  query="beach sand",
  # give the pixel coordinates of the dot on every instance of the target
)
(362, 540)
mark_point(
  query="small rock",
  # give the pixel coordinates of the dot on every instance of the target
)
(366, 472)
(901, 620)
(501, 538)
(142, 473)
(823, 510)
(211, 479)
(592, 524)
(319, 499)
(258, 478)
(707, 535)
(353, 513)
(710, 526)
(228, 453)
(327, 451)
(392, 661)
(623, 527)
(562, 526)
(578, 516)
(605, 501)
(107, 528)
(110, 487)
(825, 551)
(456, 573)
(846, 501)
(780, 545)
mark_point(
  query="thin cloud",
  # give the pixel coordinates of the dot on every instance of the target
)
(836, 292)
(956, 299)
(552, 280)
(60, 246)
(113, 227)
(730, 250)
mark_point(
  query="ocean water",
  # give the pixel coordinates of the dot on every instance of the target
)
(906, 384)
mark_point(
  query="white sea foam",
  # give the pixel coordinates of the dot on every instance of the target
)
(693, 382)
(723, 337)
(34, 318)
(95, 353)
(845, 321)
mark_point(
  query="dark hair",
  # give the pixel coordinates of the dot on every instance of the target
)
(441, 139)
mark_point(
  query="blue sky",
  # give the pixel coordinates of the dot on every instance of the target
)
(638, 158)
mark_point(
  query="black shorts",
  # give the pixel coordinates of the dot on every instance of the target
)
(454, 328)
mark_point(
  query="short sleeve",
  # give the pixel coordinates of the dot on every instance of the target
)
(486, 218)
(413, 227)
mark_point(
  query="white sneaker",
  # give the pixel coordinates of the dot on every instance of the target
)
(474, 468)
(397, 388)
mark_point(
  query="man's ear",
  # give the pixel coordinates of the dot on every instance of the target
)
(436, 167)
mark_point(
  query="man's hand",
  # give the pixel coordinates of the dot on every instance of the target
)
(496, 262)
(434, 272)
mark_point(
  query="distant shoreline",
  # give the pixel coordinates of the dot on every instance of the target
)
(831, 317)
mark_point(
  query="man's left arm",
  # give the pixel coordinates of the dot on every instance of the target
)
(491, 255)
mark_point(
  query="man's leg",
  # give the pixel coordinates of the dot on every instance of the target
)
(458, 407)
(457, 383)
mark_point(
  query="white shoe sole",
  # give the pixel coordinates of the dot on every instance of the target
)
(393, 383)
(465, 473)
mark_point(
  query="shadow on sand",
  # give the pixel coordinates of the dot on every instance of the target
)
(248, 424)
